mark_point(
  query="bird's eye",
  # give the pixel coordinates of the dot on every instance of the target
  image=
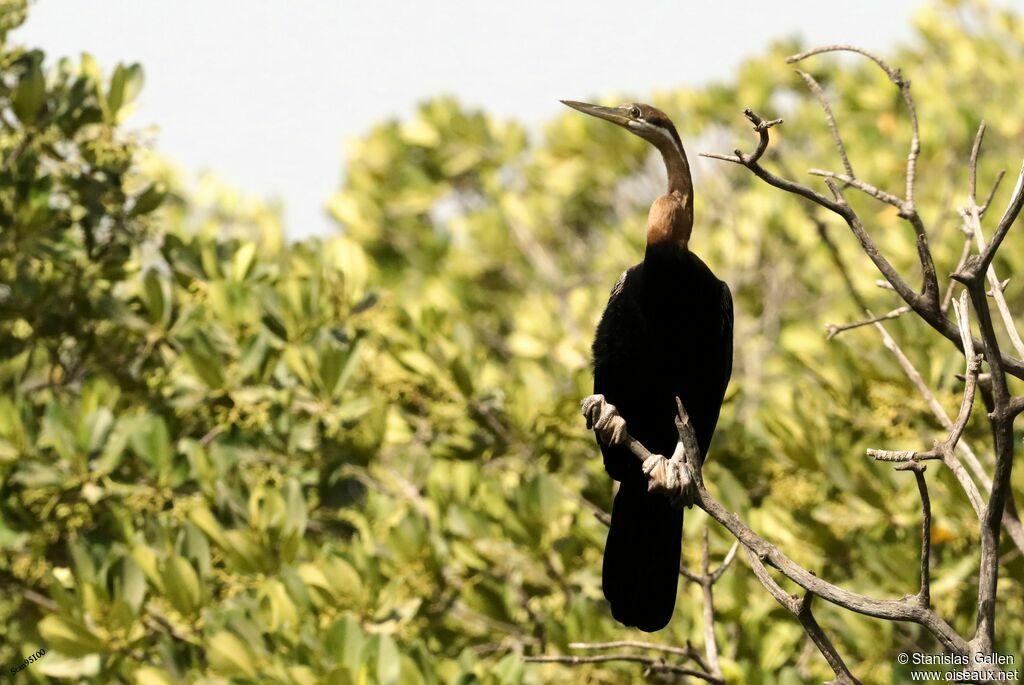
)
(634, 112)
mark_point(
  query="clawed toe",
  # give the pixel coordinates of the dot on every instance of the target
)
(588, 406)
(687, 485)
(674, 478)
(604, 419)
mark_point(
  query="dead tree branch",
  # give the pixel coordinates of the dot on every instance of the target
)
(908, 608)
(706, 579)
(925, 304)
(944, 449)
(709, 666)
(832, 330)
(972, 271)
(963, 450)
(801, 608)
(652, 664)
(973, 213)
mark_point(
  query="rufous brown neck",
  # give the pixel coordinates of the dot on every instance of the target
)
(671, 215)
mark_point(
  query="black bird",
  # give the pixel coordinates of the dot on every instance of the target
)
(666, 332)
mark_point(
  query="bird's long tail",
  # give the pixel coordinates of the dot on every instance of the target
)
(641, 557)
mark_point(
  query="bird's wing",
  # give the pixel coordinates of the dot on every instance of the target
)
(727, 322)
(614, 367)
(619, 285)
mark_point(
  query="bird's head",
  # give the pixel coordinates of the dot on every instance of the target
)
(671, 215)
(646, 121)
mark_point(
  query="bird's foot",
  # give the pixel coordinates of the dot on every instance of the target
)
(673, 478)
(604, 418)
(687, 489)
(686, 458)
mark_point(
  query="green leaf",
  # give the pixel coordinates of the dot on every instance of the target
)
(147, 675)
(115, 94)
(148, 200)
(181, 585)
(206, 366)
(389, 665)
(337, 364)
(30, 94)
(133, 583)
(295, 507)
(230, 656)
(344, 579)
(207, 522)
(151, 441)
(345, 641)
(69, 637)
(243, 261)
(55, 665)
(245, 554)
(157, 296)
(125, 84)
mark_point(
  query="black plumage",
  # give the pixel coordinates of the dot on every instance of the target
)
(665, 333)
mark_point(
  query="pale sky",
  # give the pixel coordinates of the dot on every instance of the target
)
(264, 92)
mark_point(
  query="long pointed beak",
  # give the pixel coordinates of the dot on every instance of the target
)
(612, 114)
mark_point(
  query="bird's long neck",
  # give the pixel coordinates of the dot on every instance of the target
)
(671, 215)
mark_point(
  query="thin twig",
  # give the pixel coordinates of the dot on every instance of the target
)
(653, 664)
(685, 652)
(801, 608)
(835, 329)
(925, 593)
(944, 449)
(908, 209)
(1013, 524)
(815, 88)
(896, 76)
(864, 187)
(907, 608)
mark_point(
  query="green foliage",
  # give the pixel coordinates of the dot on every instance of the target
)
(227, 458)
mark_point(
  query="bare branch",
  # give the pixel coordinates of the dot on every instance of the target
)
(902, 456)
(907, 207)
(653, 664)
(761, 126)
(838, 206)
(944, 449)
(972, 165)
(1016, 406)
(823, 101)
(866, 188)
(972, 214)
(718, 572)
(1009, 216)
(1002, 431)
(706, 579)
(992, 191)
(925, 305)
(686, 652)
(907, 608)
(835, 329)
(896, 76)
(1012, 523)
(978, 265)
(707, 592)
(997, 286)
(801, 608)
(925, 592)
(964, 254)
